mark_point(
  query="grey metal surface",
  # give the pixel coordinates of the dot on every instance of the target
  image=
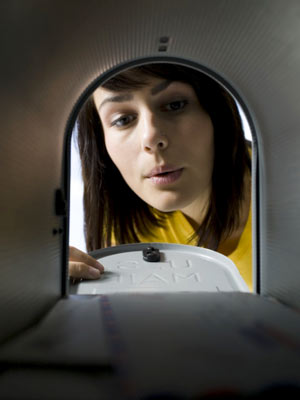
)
(179, 268)
(51, 51)
(142, 346)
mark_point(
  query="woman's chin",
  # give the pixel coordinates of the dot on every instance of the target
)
(169, 206)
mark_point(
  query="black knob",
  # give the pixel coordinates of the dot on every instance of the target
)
(151, 254)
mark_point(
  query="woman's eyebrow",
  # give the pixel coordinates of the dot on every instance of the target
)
(116, 99)
(160, 87)
(128, 96)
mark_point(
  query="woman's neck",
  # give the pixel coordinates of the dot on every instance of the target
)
(196, 211)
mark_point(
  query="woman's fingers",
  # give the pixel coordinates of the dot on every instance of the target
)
(79, 256)
(81, 270)
(81, 265)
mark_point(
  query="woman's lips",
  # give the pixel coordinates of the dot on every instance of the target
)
(166, 178)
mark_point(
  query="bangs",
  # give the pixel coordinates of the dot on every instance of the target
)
(138, 77)
(132, 79)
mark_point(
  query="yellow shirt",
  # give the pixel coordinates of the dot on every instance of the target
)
(179, 230)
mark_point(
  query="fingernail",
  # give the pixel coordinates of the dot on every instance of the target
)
(101, 268)
(94, 273)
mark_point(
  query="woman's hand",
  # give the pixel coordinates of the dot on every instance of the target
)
(83, 266)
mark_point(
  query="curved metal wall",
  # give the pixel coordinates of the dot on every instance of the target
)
(51, 51)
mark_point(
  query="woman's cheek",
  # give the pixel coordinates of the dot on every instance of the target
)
(119, 154)
(112, 150)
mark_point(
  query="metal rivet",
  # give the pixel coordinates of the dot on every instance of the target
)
(164, 39)
(162, 48)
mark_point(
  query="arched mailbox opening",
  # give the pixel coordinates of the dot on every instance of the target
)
(76, 209)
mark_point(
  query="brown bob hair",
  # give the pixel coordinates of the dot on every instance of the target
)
(112, 209)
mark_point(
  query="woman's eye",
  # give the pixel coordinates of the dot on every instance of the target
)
(176, 105)
(123, 121)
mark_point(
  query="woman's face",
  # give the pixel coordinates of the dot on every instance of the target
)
(161, 141)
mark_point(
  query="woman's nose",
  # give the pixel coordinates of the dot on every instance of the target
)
(153, 137)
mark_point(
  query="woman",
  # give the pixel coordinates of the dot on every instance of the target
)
(164, 159)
